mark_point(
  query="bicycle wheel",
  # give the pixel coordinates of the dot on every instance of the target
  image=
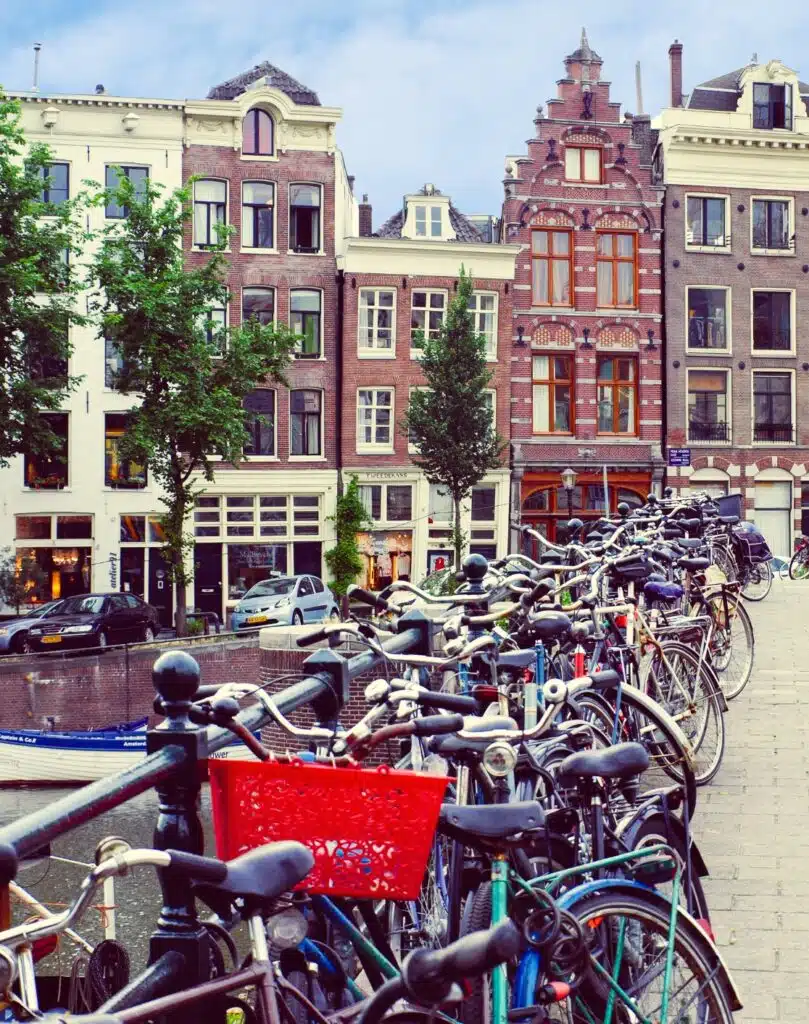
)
(626, 937)
(678, 680)
(477, 1007)
(733, 644)
(758, 582)
(724, 560)
(799, 564)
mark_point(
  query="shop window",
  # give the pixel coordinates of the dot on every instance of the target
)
(617, 395)
(258, 215)
(257, 133)
(74, 527)
(34, 527)
(552, 267)
(304, 218)
(553, 394)
(371, 497)
(132, 529)
(399, 503)
(248, 564)
(207, 516)
(210, 198)
(120, 471)
(306, 515)
(260, 422)
(139, 176)
(304, 427)
(272, 515)
(240, 516)
(305, 320)
(49, 471)
(616, 269)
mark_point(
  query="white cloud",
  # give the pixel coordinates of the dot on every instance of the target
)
(435, 92)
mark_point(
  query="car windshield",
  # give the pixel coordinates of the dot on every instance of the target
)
(47, 609)
(271, 588)
(82, 606)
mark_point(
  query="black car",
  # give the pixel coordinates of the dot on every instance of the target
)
(96, 620)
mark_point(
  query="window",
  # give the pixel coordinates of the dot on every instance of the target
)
(772, 321)
(616, 269)
(214, 327)
(120, 471)
(440, 504)
(48, 471)
(399, 503)
(257, 133)
(771, 224)
(484, 317)
(304, 218)
(258, 215)
(552, 263)
(583, 163)
(772, 407)
(805, 508)
(707, 318)
(113, 362)
(553, 394)
(422, 219)
(705, 222)
(56, 183)
(209, 210)
(258, 303)
(772, 106)
(304, 423)
(371, 497)
(483, 503)
(304, 319)
(426, 315)
(377, 323)
(259, 407)
(708, 405)
(375, 418)
(617, 395)
(490, 398)
(137, 175)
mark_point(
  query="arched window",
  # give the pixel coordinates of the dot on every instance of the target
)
(257, 133)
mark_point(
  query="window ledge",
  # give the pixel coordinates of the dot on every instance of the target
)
(633, 436)
(536, 308)
(773, 353)
(307, 458)
(376, 450)
(208, 248)
(309, 359)
(259, 158)
(125, 490)
(711, 444)
(48, 490)
(370, 354)
(294, 252)
(708, 352)
(719, 250)
(249, 250)
(260, 458)
(773, 444)
(616, 310)
(538, 437)
(772, 252)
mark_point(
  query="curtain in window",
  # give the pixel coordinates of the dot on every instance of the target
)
(561, 281)
(540, 281)
(541, 407)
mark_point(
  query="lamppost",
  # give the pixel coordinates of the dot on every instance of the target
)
(569, 482)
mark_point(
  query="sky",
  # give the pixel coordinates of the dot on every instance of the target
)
(434, 91)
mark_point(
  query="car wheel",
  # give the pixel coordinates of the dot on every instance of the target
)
(102, 639)
(19, 644)
(148, 634)
(297, 618)
(334, 615)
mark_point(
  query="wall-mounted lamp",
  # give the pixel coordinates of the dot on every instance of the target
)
(586, 335)
(520, 333)
(650, 334)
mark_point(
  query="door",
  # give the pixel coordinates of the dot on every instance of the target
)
(306, 557)
(320, 602)
(208, 578)
(118, 620)
(773, 514)
(305, 599)
(138, 618)
(160, 597)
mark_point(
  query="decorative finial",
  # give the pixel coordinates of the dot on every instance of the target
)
(584, 46)
(754, 59)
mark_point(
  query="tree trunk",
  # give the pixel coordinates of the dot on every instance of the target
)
(180, 608)
(457, 536)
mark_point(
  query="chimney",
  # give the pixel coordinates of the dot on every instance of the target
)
(366, 217)
(676, 67)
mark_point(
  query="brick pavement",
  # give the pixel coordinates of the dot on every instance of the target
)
(752, 823)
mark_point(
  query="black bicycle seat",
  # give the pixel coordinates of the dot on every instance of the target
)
(549, 625)
(453, 745)
(517, 659)
(490, 821)
(694, 564)
(729, 520)
(691, 543)
(259, 876)
(617, 762)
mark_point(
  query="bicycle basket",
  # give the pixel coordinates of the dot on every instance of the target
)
(370, 830)
(750, 544)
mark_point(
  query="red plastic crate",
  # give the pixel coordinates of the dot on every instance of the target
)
(370, 830)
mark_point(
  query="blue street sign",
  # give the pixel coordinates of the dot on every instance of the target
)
(679, 456)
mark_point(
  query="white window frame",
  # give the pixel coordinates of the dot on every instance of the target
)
(322, 322)
(478, 314)
(255, 248)
(411, 448)
(430, 220)
(213, 240)
(793, 413)
(728, 404)
(212, 309)
(790, 249)
(320, 220)
(770, 353)
(415, 353)
(306, 458)
(374, 351)
(492, 392)
(710, 352)
(695, 246)
(373, 446)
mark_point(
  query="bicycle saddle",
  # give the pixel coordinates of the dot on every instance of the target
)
(259, 876)
(490, 821)
(617, 762)
(691, 543)
(452, 744)
(517, 659)
(729, 520)
(694, 564)
(663, 591)
(549, 625)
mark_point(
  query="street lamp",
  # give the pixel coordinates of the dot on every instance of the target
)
(569, 482)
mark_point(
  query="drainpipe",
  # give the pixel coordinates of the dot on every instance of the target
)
(664, 366)
(338, 432)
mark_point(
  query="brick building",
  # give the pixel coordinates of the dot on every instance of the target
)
(396, 282)
(586, 339)
(734, 156)
(263, 149)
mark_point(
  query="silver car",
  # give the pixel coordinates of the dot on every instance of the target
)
(14, 632)
(284, 601)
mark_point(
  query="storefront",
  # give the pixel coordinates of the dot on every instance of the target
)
(54, 555)
(388, 556)
(142, 566)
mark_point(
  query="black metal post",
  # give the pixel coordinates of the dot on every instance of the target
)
(569, 502)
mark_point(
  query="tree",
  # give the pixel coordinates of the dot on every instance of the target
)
(38, 289)
(20, 578)
(344, 559)
(450, 421)
(190, 373)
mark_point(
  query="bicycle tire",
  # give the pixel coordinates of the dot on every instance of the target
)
(737, 631)
(476, 1008)
(799, 564)
(724, 559)
(653, 832)
(759, 575)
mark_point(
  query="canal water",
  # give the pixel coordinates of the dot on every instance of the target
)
(55, 883)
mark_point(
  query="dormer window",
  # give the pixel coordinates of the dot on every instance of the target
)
(257, 133)
(428, 221)
(583, 163)
(772, 106)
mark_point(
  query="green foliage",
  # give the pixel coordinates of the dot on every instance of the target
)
(449, 421)
(344, 559)
(190, 375)
(37, 292)
(19, 580)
